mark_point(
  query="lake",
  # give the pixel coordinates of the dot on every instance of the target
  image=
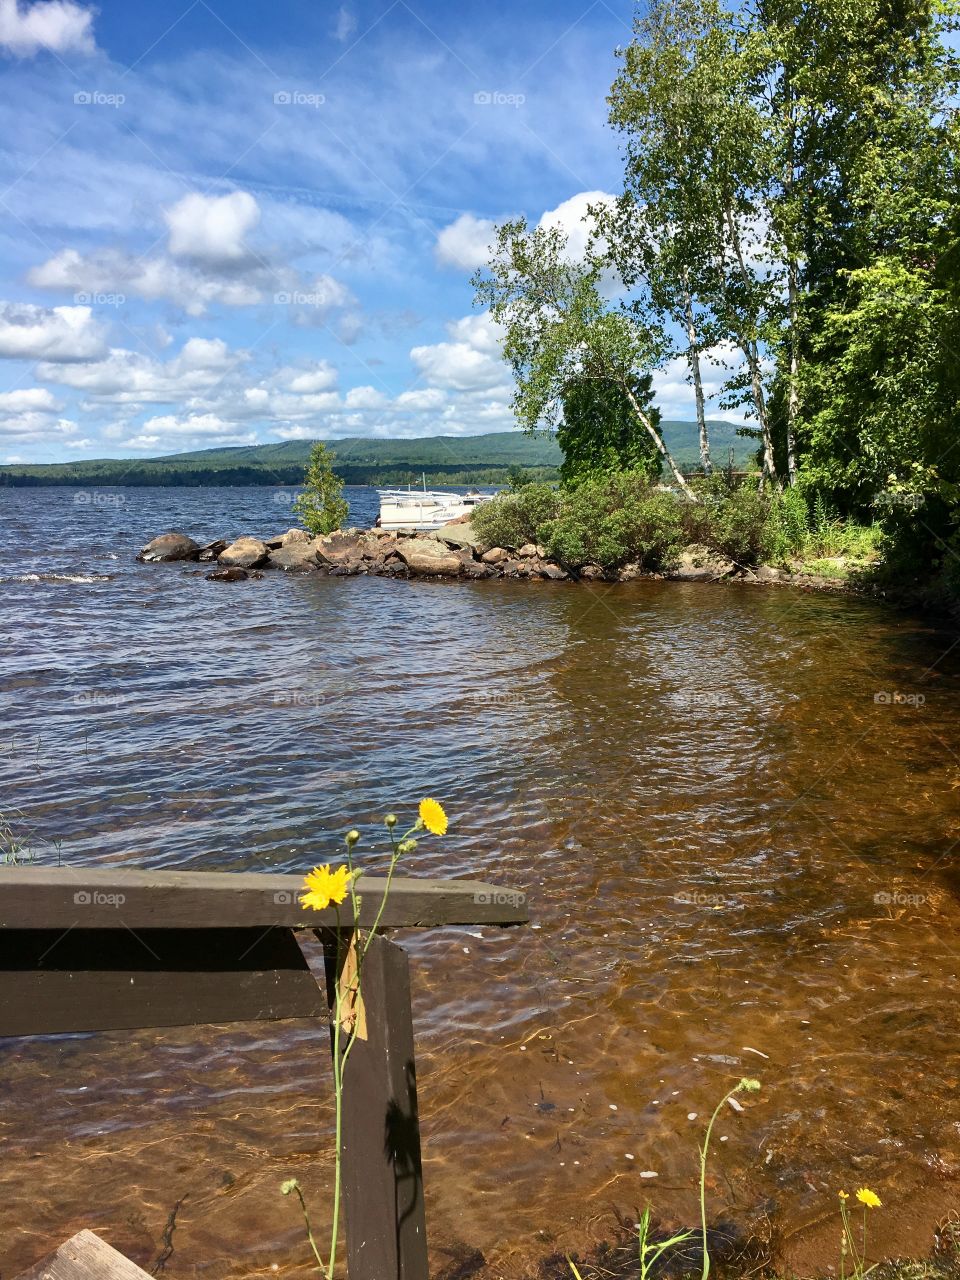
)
(735, 810)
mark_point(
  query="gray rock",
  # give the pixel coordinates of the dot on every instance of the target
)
(591, 572)
(295, 535)
(496, 555)
(553, 572)
(428, 556)
(458, 535)
(477, 570)
(169, 546)
(529, 550)
(296, 557)
(245, 553)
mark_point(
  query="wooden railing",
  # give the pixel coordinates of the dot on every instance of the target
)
(107, 950)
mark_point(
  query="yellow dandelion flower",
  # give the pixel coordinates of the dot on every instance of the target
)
(324, 886)
(869, 1198)
(433, 817)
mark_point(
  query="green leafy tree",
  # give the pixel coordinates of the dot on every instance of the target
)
(600, 433)
(321, 506)
(560, 330)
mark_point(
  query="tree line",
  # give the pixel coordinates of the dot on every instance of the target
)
(789, 225)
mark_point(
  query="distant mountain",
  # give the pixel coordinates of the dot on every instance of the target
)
(485, 459)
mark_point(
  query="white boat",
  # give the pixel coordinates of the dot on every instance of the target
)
(425, 508)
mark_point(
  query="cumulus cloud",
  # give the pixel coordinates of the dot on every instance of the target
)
(57, 26)
(35, 426)
(129, 377)
(28, 332)
(470, 362)
(465, 243)
(573, 219)
(212, 229)
(28, 398)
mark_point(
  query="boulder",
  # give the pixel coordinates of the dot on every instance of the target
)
(477, 570)
(591, 572)
(245, 553)
(228, 575)
(296, 557)
(458, 535)
(513, 568)
(169, 546)
(340, 550)
(496, 555)
(212, 550)
(295, 535)
(428, 556)
(629, 573)
(529, 550)
(553, 572)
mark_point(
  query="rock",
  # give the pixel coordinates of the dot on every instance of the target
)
(212, 550)
(591, 572)
(767, 573)
(513, 568)
(229, 575)
(529, 550)
(295, 535)
(629, 573)
(477, 570)
(553, 572)
(496, 555)
(457, 534)
(340, 550)
(376, 549)
(296, 557)
(429, 556)
(169, 546)
(245, 553)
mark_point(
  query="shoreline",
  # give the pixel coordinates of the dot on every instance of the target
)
(455, 553)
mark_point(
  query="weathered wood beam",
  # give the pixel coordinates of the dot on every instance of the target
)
(84, 1257)
(122, 898)
(382, 1173)
(54, 981)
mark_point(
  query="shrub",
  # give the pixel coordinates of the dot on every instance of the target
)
(321, 506)
(511, 519)
(735, 524)
(615, 520)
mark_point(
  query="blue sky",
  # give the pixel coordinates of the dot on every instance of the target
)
(227, 224)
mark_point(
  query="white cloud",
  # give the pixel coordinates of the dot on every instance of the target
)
(426, 398)
(27, 399)
(212, 229)
(131, 378)
(28, 332)
(465, 243)
(321, 377)
(33, 426)
(346, 24)
(365, 398)
(572, 218)
(55, 25)
(471, 362)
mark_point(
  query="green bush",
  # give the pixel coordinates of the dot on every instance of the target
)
(616, 520)
(732, 521)
(512, 519)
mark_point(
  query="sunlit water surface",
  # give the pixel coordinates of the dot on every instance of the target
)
(739, 862)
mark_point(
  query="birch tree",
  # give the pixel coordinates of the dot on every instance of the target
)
(561, 330)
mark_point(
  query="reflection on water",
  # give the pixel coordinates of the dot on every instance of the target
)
(739, 861)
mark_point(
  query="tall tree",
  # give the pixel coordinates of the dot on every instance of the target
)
(560, 330)
(600, 434)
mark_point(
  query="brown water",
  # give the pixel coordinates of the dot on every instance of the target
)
(739, 862)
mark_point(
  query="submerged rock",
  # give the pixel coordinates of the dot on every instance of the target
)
(228, 575)
(169, 546)
(245, 553)
(212, 550)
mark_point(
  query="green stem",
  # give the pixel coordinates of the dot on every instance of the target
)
(703, 1182)
(306, 1218)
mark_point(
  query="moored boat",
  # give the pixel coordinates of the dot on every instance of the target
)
(425, 509)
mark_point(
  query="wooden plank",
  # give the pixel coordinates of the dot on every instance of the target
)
(124, 898)
(53, 981)
(382, 1173)
(84, 1257)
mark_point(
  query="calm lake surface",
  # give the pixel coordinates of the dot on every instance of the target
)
(739, 862)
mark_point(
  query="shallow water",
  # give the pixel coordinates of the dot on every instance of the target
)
(739, 862)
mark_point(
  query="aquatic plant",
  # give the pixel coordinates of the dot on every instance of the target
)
(326, 886)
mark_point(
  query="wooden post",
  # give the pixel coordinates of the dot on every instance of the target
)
(382, 1173)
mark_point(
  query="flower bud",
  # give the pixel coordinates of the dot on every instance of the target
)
(352, 837)
(390, 821)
